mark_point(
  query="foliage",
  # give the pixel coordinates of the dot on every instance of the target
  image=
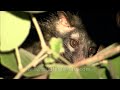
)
(14, 29)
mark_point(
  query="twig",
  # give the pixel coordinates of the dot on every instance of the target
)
(64, 60)
(18, 59)
(106, 53)
(108, 48)
(22, 71)
(39, 60)
(43, 51)
(60, 57)
(48, 51)
(38, 29)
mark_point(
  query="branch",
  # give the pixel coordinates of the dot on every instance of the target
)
(38, 29)
(18, 59)
(105, 53)
(22, 71)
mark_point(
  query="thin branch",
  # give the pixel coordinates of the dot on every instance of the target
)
(40, 60)
(38, 29)
(106, 53)
(43, 51)
(60, 57)
(108, 48)
(18, 59)
(65, 60)
(22, 71)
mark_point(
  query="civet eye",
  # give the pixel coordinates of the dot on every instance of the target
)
(92, 51)
(74, 43)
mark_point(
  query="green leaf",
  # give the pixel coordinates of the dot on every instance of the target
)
(59, 71)
(102, 73)
(56, 45)
(9, 61)
(114, 67)
(49, 60)
(91, 72)
(14, 28)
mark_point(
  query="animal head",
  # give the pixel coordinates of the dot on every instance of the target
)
(77, 43)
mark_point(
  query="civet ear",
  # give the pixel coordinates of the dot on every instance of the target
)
(63, 25)
(63, 18)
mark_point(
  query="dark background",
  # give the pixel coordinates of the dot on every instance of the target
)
(102, 25)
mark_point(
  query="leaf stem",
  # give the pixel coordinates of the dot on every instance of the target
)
(38, 29)
(22, 71)
(18, 58)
